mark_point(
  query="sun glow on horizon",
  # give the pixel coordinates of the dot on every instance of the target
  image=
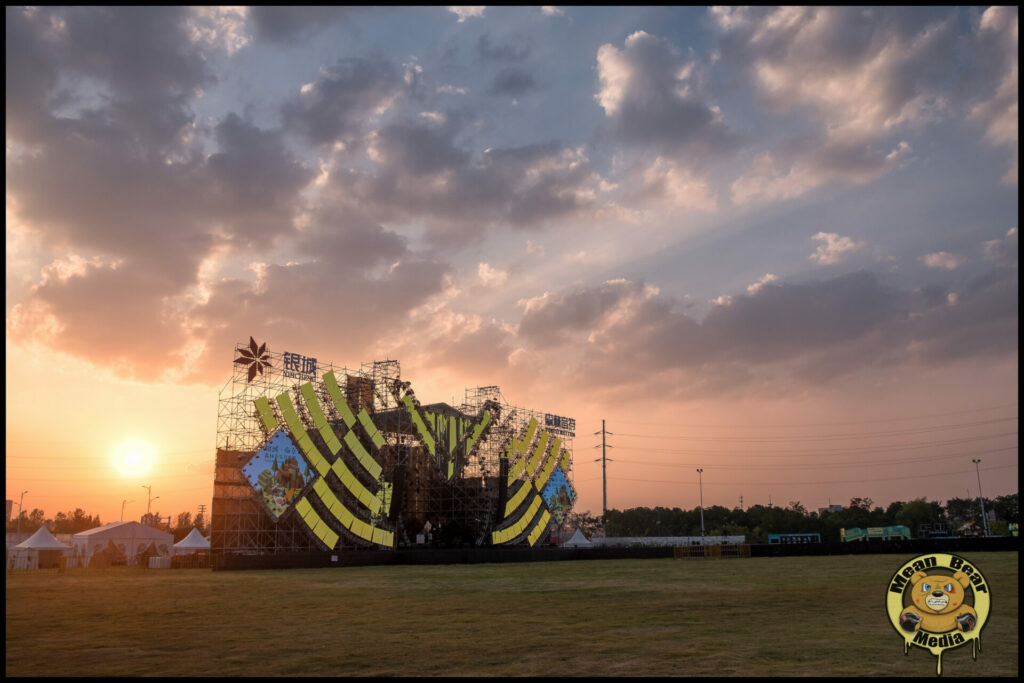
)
(134, 457)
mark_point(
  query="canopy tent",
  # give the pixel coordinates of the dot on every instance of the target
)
(192, 543)
(577, 540)
(119, 540)
(39, 551)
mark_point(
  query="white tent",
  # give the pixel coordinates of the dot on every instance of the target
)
(194, 542)
(40, 550)
(119, 540)
(577, 540)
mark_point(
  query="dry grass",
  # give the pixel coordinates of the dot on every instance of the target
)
(813, 616)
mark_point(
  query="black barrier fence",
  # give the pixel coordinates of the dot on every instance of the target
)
(361, 558)
(915, 546)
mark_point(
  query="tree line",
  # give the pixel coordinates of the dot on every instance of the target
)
(73, 522)
(758, 521)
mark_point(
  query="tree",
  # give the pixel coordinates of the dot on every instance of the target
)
(183, 526)
(962, 510)
(587, 523)
(914, 514)
(1006, 507)
(200, 524)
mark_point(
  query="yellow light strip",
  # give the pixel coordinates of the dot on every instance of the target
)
(291, 418)
(340, 404)
(319, 419)
(428, 440)
(266, 413)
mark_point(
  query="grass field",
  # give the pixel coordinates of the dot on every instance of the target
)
(810, 616)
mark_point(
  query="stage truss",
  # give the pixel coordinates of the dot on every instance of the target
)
(359, 462)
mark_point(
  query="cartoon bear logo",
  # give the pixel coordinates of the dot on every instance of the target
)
(939, 604)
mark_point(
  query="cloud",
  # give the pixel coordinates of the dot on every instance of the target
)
(287, 25)
(653, 97)
(420, 171)
(678, 185)
(1002, 251)
(554, 316)
(551, 11)
(337, 104)
(859, 77)
(467, 11)
(996, 33)
(513, 83)
(833, 248)
(513, 50)
(861, 71)
(768, 277)
(942, 259)
(625, 334)
(830, 162)
(222, 27)
(492, 278)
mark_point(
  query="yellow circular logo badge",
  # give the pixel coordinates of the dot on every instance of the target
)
(938, 601)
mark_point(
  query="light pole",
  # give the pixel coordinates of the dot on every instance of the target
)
(122, 507)
(21, 508)
(149, 493)
(700, 485)
(984, 519)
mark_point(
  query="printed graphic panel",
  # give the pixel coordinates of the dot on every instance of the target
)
(558, 496)
(278, 472)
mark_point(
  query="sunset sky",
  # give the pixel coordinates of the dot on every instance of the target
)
(780, 245)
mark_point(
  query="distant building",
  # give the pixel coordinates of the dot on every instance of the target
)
(830, 508)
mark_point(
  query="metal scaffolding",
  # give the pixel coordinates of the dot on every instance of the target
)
(450, 498)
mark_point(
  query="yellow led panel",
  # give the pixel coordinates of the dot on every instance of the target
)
(266, 414)
(364, 458)
(340, 404)
(371, 429)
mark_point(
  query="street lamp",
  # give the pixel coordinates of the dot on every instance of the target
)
(122, 507)
(984, 519)
(700, 484)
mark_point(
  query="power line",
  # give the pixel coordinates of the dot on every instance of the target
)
(887, 461)
(815, 483)
(826, 437)
(821, 424)
(816, 452)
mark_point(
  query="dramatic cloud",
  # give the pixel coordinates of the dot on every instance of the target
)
(859, 75)
(768, 277)
(421, 172)
(222, 27)
(512, 82)
(289, 24)
(830, 162)
(678, 185)
(467, 11)
(997, 34)
(491, 277)
(653, 97)
(512, 50)
(336, 106)
(833, 248)
(1002, 251)
(941, 259)
(860, 70)
(627, 333)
